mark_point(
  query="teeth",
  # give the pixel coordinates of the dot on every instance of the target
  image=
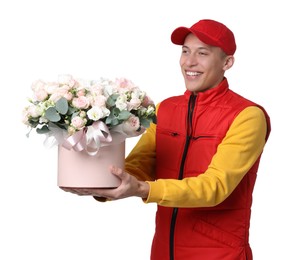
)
(191, 73)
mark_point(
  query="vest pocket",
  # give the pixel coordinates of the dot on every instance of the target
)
(201, 150)
(217, 235)
(169, 147)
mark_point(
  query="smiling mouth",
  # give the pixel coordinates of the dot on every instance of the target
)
(192, 73)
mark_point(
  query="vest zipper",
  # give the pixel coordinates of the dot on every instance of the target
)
(191, 106)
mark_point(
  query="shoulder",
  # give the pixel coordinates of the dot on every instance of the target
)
(251, 120)
(252, 113)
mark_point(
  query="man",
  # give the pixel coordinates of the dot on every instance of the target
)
(199, 162)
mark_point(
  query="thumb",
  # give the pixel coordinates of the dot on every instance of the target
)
(117, 171)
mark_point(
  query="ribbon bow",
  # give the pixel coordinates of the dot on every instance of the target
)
(90, 138)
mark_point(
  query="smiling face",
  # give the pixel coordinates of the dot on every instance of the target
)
(203, 66)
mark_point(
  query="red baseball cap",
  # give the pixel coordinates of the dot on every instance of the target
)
(210, 32)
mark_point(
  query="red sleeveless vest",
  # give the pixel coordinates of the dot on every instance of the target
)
(214, 233)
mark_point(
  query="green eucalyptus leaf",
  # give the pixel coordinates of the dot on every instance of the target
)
(62, 106)
(71, 110)
(43, 130)
(52, 115)
(109, 119)
(62, 126)
(110, 102)
(124, 115)
(115, 96)
(145, 122)
(114, 122)
(115, 111)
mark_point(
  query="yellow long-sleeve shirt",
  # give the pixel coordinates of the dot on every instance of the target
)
(236, 154)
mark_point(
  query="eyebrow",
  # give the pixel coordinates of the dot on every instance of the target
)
(199, 48)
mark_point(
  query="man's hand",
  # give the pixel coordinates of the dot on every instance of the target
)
(129, 187)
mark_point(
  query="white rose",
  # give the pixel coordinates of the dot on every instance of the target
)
(121, 102)
(96, 113)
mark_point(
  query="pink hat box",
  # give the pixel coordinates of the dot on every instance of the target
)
(81, 170)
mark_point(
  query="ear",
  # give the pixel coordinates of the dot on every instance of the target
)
(229, 61)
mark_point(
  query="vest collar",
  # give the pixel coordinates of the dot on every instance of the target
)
(211, 94)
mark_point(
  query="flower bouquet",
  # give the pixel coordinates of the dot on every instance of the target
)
(89, 121)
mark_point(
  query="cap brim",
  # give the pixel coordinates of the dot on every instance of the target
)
(179, 34)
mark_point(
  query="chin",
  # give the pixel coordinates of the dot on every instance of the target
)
(193, 89)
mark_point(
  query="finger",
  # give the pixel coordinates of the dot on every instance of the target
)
(78, 191)
(85, 191)
(117, 171)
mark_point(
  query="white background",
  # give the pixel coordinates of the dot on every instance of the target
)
(90, 39)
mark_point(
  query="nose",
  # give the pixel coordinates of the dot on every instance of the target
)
(191, 60)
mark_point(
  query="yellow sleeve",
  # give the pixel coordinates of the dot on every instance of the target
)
(238, 151)
(141, 160)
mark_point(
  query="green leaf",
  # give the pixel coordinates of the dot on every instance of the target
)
(114, 122)
(43, 130)
(145, 122)
(109, 119)
(52, 115)
(124, 115)
(62, 106)
(115, 111)
(62, 125)
(71, 110)
(34, 122)
(110, 102)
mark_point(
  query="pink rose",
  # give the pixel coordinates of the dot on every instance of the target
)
(81, 102)
(131, 125)
(68, 96)
(96, 89)
(78, 122)
(81, 92)
(41, 95)
(134, 103)
(124, 85)
(147, 101)
(99, 101)
(61, 92)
